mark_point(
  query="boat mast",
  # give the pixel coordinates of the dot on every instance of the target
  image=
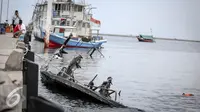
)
(8, 8)
(71, 12)
(49, 14)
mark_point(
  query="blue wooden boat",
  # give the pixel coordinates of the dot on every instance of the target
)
(57, 39)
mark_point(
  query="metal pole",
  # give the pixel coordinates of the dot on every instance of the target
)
(8, 8)
(1, 11)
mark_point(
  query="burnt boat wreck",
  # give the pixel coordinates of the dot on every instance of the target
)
(65, 79)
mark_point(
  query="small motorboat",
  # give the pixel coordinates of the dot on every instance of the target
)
(145, 38)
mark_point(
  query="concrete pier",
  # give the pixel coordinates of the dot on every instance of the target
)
(10, 79)
(19, 78)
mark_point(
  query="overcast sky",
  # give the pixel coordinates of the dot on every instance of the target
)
(167, 18)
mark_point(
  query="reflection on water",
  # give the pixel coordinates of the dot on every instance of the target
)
(151, 76)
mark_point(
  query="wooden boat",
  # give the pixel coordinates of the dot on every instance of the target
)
(57, 39)
(80, 26)
(145, 38)
(66, 80)
(50, 78)
(82, 91)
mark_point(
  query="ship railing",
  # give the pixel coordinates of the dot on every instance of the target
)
(60, 14)
(76, 81)
(46, 67)
(57, 13)
(110, 91)
(103, 88)
(80, 2)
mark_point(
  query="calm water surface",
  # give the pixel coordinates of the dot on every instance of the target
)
(151, 76)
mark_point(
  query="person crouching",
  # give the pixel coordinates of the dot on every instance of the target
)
(19, 29)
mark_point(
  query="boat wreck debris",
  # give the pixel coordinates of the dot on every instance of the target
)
(92, 50)
(65, 78)
(71, 84)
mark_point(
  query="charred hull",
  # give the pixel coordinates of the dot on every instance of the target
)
(70, 92)
(51, 79)
(65, 83)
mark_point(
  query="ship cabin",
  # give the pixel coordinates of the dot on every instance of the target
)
(66, 13)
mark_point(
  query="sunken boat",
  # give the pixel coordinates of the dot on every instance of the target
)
(66, 80)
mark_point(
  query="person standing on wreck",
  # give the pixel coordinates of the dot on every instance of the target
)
(15, 19)
(105, 86)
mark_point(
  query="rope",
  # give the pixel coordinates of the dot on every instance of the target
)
(26, 51)
(51, 58)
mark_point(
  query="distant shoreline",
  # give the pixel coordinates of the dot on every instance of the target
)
(159, 38)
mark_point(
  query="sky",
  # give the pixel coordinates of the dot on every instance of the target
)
(167, 18)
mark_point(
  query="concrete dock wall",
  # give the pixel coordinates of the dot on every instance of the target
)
(11, 77)
(19, 78)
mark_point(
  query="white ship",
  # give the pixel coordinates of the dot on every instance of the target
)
(63, 17)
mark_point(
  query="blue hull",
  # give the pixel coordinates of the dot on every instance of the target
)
(57, 41)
